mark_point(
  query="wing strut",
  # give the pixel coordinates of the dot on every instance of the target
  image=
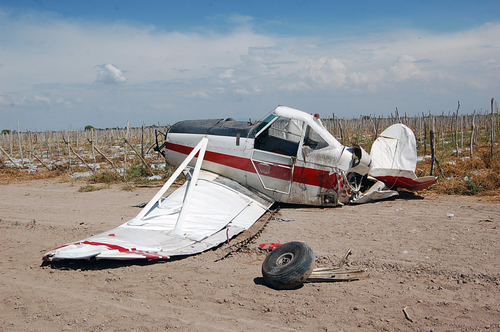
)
(177, 231)
(201, 146)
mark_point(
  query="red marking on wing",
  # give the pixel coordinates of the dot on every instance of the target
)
(146, 254)
(404, 182)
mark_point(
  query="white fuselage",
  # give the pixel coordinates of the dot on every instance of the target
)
(308, 169)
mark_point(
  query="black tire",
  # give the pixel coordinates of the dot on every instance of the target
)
(288, 266)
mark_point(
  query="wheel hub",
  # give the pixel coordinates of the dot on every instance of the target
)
(284, 259)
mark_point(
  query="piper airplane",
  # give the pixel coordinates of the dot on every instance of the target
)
(236, 170)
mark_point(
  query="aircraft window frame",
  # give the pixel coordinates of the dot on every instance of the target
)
(308, 138)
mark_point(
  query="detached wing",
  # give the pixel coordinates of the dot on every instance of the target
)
(219, 208)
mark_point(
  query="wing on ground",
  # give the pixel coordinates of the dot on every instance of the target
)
(219, 209)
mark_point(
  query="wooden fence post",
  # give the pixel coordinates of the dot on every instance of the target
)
(10, 140)
(472, 135)
(433, 144)
(456, 131)
(425, 134)
(20, 145)
(492, 129)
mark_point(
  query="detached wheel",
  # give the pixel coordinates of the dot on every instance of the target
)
(288, 266)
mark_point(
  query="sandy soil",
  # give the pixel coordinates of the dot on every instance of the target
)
(437, 257)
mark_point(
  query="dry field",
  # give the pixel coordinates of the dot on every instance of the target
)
(433, 263)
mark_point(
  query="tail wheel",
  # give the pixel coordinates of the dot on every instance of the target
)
(288, 266)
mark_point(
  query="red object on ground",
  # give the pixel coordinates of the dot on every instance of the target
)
(269, 245)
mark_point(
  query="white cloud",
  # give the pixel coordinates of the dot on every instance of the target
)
(199, 94)
(241, 91)
(226, 74)
(405, 67)
(241, 19)
(61, 101)
(324, 71)
(369, 77)
(491, 62)
(109, 74)
(53, 61)
(6, 99)
(42, 99)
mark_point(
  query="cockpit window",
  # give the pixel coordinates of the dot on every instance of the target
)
(282, 137)
(288, 129)
(313, 140)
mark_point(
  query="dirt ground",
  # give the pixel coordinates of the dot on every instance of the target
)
(433, 262)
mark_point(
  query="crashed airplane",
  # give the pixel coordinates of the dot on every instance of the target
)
(236, 170)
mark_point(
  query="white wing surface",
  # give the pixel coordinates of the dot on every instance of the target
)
(219, 209)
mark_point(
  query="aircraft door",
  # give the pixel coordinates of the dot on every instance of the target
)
(275, 171)
(275, 153)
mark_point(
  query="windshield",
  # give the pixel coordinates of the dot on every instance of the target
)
(263, 123)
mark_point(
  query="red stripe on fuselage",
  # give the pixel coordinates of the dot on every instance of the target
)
(309, 176)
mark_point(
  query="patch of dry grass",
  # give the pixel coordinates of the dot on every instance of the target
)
(89, 188)
(465, 176)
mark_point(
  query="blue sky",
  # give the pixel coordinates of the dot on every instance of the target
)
(68, 64)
